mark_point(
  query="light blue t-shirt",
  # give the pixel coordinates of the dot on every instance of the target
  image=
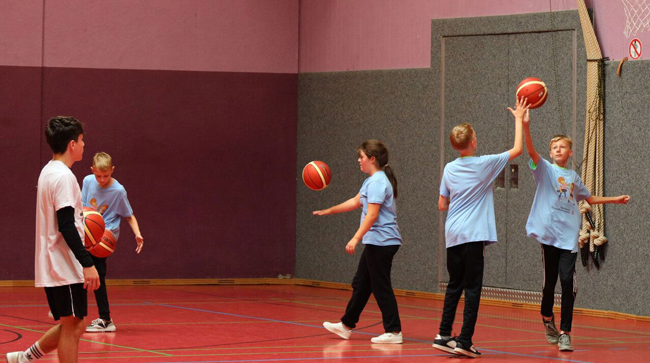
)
(467, 182)
(385, 231)
(111, 202)
(554, 218)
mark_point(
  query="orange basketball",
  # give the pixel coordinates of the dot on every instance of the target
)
(534, 90)
(316, 175)
(106, 245)
(93, 226)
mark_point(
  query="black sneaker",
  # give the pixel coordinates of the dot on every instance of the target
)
(552, 334)
(468, 351)
(446, 345)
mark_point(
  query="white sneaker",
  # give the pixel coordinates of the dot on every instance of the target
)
(14, 357)
(388, 338)
(100, 326)
(338, 329)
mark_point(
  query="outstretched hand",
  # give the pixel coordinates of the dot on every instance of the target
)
(323, 212)
(521, 110)
(622, 199)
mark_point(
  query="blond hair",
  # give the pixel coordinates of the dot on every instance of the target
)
(461, 136)
(102, 161)
(557, 138)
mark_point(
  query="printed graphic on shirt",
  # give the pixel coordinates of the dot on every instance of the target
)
(100, 208)
(565, 192)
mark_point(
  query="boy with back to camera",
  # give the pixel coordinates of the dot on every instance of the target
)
(466, 191)
(104, 193)
(555, 221)
(62, 265)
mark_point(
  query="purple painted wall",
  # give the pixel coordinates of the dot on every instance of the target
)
(207, 159)
(21, 29)
(195, 35)
(196, 100)
(389, 34)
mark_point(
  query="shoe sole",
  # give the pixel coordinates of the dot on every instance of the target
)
(468, 353)
(336, 332)
(107, 330)
(444, 348)
(396, 342)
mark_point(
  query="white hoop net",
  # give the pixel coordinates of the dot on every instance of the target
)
(637, 16)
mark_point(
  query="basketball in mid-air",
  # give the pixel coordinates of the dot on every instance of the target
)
(316, 175)
(106, 245)
(534, 90)
(93, 227)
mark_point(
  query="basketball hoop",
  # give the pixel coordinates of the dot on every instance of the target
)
(637, 16)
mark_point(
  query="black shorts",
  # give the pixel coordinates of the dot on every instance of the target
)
(67, 300)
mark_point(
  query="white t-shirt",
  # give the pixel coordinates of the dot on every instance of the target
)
(55, 263)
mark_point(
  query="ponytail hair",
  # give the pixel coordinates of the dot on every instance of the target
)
(377, 149)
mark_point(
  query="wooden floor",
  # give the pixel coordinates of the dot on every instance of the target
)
(283, 323)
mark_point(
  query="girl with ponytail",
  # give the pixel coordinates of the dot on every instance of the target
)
(381, 238)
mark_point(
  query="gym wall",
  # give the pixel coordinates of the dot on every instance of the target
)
(476, 64)
(196, 103)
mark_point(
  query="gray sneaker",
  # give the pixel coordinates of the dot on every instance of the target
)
(552, 334)
(565, 343)
(99, 325)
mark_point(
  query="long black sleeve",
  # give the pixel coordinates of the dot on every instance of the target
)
(67, 228)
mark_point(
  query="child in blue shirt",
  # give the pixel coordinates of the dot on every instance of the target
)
(555, 221)
(380, 235)
(466, 191)
(104, 193)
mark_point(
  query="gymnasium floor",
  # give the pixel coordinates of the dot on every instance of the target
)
(282, 323)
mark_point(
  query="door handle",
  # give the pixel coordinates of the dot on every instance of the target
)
(500, 181)
(514, 176)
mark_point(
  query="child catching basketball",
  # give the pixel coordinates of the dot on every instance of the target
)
(555, 221)
(381, 238)
(63, 266)
(104, 193)
(466, 192)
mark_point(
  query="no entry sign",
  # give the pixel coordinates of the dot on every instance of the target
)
(635, 49)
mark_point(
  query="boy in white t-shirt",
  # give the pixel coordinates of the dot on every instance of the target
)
(466, 192)
(63, 266)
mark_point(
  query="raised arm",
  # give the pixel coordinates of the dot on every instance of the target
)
(521, 109)
(621, 199)
(534, 155)
(348, 205)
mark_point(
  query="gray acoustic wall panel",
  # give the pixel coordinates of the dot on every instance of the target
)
(481, 62)
(476, 64)
(621, 283)
(337, 112)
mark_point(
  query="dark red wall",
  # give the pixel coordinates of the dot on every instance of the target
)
(207, 158)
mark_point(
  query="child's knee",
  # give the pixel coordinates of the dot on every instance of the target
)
(73, 325)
